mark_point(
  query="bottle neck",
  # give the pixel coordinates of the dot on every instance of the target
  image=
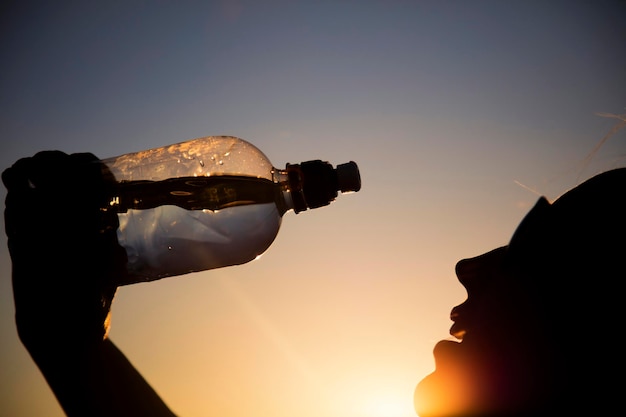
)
(284, 198)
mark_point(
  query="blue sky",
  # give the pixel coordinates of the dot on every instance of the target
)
(458, 113)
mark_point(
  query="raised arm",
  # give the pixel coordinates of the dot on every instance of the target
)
(65, 263)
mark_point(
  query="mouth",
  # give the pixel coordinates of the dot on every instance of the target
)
(458, 332)
(460, 318)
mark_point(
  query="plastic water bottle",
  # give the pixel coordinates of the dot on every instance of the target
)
(210, 202)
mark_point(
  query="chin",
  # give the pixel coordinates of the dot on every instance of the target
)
(450, 389)
(470, 381)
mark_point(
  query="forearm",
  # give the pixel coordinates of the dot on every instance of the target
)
(65, 266)
(98, 381)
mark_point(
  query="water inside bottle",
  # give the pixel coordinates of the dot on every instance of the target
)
(188, 224)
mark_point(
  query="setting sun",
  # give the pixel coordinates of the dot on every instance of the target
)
(389, 407)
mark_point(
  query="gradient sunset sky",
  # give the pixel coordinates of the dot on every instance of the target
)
(458, 113)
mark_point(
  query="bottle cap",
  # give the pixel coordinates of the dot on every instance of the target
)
(315, 183)
(348, 177)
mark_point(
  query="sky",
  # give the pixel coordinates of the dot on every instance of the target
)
(460, 114)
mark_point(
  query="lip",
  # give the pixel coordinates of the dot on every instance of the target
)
(459, 315)
(458, 330)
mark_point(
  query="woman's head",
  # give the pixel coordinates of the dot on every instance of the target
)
(533, 329)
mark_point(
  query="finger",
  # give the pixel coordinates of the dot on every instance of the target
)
(15, 178)
(35, 171)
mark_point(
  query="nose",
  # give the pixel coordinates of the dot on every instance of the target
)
(475, 273)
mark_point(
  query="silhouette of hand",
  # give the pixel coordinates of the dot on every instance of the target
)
(63, 248)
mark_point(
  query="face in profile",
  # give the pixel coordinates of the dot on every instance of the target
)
(531, 335)
(490, 369)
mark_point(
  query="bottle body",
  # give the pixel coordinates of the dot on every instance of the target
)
(207, 203)
(169, 240)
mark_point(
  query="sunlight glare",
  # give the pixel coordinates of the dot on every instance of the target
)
(389, 407)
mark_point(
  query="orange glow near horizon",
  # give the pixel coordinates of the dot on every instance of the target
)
(390, 405)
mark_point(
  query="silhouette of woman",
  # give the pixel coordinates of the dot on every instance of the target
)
(540, 313)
